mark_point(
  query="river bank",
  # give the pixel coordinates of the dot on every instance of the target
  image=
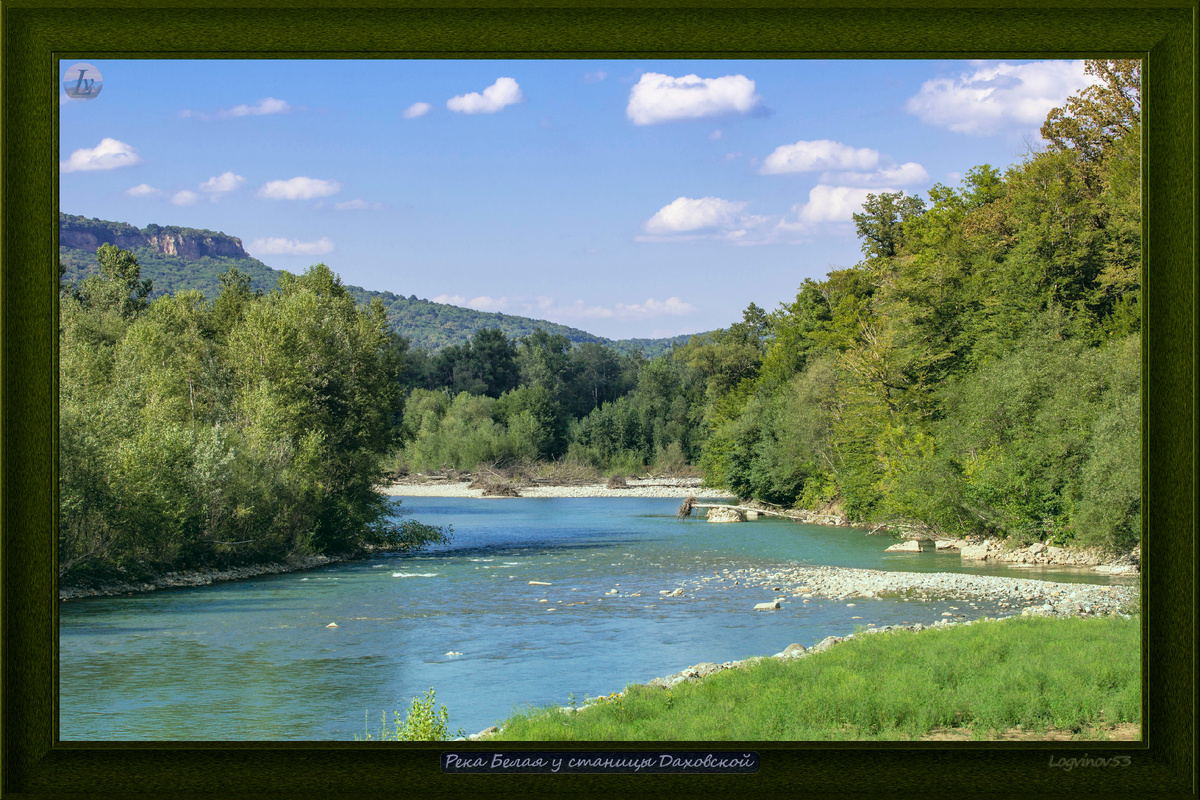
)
(201, 577)
(1000, 641)
(1024, 597)
(635, 487)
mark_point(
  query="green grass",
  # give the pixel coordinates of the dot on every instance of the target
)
(1033, 673)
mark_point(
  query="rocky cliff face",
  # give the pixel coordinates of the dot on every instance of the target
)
(187, 245)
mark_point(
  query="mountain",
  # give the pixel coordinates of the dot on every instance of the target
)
(175, 258)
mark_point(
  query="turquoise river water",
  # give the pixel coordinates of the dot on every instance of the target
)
(254, 660)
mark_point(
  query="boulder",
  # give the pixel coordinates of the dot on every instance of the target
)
(751, 515)
(723, 514)
(977, 552)
(1036, 547)
(793, 650)
(767, 606)
(946, 544)
(905, 547)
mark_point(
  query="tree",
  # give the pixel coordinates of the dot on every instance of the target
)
(1091, 121)
(881, 223)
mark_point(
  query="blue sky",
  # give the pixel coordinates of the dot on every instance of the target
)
(633, 198)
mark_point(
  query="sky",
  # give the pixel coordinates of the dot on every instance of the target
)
(629, 198)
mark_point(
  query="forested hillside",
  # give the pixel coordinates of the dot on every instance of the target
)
(427, 325)
(979, 370)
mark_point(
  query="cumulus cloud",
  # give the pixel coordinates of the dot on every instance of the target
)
(299, 189)
(184, 198)
(911, 172)
(685, 214)
(142, 190)
(290, 247)
(821, 154)
(659, 98)
(109, 154)
(834, 203)
(449, 299)
(504, 92)
(225, 182)
(998, 97)
(417, 110)
(267, 105)
(359, 205)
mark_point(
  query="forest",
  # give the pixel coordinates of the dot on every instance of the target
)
(976, 373)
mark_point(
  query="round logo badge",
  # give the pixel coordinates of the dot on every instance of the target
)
(82, 81)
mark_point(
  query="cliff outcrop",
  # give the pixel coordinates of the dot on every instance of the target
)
(88, 234)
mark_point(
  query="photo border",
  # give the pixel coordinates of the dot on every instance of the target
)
(36, 35)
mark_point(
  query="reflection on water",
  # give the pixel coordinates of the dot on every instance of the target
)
(254, 659)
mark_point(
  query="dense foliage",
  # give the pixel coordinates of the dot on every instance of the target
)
(979, 371)
(202, 433)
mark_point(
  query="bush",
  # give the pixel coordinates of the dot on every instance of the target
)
(424, 723)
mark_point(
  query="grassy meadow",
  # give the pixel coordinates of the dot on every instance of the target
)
(1033, 674)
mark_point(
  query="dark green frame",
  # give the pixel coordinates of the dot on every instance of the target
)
(36, 34)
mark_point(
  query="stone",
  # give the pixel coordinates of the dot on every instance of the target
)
(332, 625)
(793, 650)
(1037, 547)
(905, 547)
(539, 583)
(767, 606)
(977, 552)
(725, 514)
(751, 515)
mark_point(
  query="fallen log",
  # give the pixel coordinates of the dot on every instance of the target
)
(685, 509)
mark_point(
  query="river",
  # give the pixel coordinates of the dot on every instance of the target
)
(255, 660)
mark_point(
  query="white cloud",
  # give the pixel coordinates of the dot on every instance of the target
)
(504, 92)
(109, 154)
(225, 182)
(834, 203)
(142, 190)
(672, 306)
(650, 308)
(417, 110)
(184, 198)
(359, 205)
(685, 214)
(821, 154)
(543, 307)
(998, 96)
(290, 247)
(485, 303)
(659, 98)
(715, 136)
(299, 189)
(267, 105)
(595, 77)
(911, 172)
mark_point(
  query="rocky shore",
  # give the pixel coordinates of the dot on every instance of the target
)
(1021, 596)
